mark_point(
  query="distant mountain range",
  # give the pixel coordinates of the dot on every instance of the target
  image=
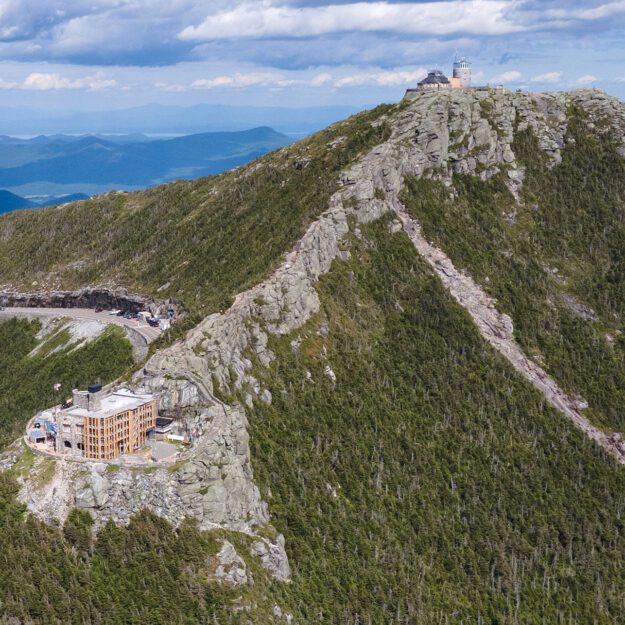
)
(11, 202)
(46, 167)
(158, 119)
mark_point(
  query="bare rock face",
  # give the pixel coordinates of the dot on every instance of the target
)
(273, 557)
(231, 568)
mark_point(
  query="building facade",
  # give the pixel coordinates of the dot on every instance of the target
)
(102, 426)
(437, 81)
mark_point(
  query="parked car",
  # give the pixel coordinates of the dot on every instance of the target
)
(115, 311)
(153, 322)
(120, 313)
(128, 315)
(98, 309)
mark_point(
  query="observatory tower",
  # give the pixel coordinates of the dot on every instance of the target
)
(462, 73)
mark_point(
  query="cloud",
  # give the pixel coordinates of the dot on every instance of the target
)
(605, 10)
(587, 79)
(239, 79)
(549, 77)
(383, 32)
(511, 76)
(38, 81)
(381, 79)
(321, 79)
(170, 87)
(5, 84)
(266, 19)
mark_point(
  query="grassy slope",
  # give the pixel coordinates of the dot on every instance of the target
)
(572, 220)
(209, 239)
(431, 484)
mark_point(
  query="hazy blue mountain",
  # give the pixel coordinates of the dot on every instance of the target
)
(63, 199)
(10, 202)
(159, 119)
(133, 161)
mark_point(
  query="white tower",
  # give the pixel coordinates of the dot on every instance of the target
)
(462, 71)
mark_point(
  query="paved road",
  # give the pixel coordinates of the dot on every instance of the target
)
(84, 314)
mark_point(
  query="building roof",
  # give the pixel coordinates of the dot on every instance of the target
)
(435, 77)
(36, 435)
(112, 404)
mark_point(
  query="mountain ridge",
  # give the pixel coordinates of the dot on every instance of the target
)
(362, 341)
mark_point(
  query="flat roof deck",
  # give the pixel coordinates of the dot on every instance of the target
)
(119, 401)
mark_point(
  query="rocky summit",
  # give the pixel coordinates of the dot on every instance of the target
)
(409, 412)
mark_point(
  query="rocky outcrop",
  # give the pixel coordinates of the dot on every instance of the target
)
(272, 557)
(231, 568)
(211, 483)
(87, 298)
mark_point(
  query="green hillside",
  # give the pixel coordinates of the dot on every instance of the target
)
(430, 484)
(27, 380)
(416, 477)
(564, 248)
(188, 235)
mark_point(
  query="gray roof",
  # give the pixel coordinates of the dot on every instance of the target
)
(114, 403)
(435, 77)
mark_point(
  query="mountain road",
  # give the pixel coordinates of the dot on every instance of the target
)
(84, 314)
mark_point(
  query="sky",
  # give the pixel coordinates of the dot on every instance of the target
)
(99, 54)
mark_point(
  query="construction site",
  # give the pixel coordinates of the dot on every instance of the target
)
(104, 425)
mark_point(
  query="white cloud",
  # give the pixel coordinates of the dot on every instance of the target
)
(250, 79)
(321, 79)
(4, 84)
(170, 87)
(46, 82)
(381, 79)
(587, 79)
(511, 76)
(39, 81)
(266, 19)
(549, 77)
(608, 9)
